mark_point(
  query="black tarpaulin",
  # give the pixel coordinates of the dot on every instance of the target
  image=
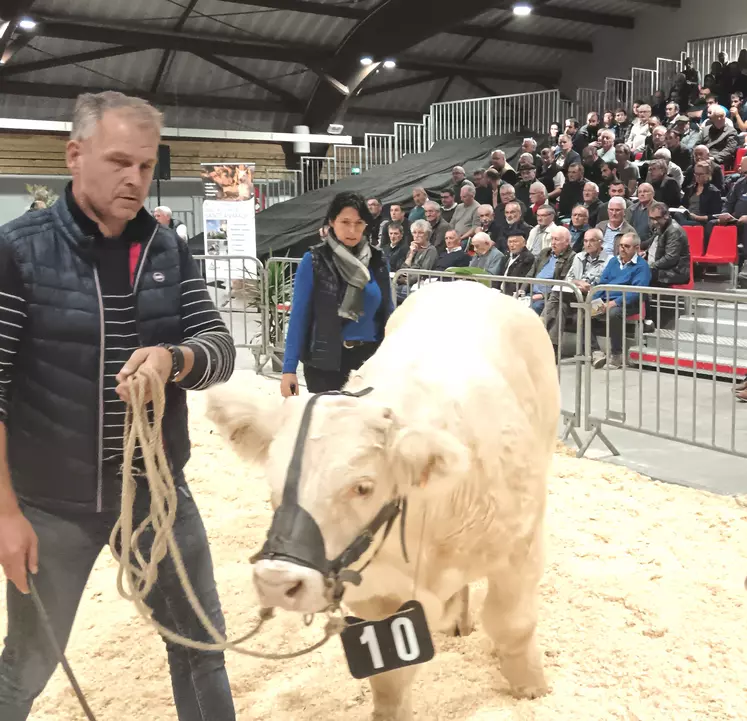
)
(294, 225)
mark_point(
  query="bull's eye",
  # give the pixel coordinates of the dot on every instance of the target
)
(363, 489)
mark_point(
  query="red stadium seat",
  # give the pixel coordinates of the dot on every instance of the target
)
(722, 246)
(639, 155)
(690, 285)
(695, 240)
(741, 152)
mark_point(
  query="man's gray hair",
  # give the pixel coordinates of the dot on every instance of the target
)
(660, 164)
(632, 237)
(596, 234)
(485, 206)
(164, 209)
(423, 225)
(661, 207)
(538, 186)
(617, 200)
(90, 109)
(592, 185)
(458, 169)
(432, 204)
(482, 236)
(499, 152)
(547, 206)
(514, 203)
(508, 188)
(469, 188)
(530, 140)
(663, 154)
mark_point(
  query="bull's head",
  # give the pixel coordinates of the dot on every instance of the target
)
(358, 456)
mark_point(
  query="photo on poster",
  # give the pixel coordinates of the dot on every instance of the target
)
(228, 181)
(217, 229)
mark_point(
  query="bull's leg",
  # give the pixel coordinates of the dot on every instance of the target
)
(392, 695)
(458, 608)
(510, 619)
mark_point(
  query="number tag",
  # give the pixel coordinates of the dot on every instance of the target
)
(373, 647)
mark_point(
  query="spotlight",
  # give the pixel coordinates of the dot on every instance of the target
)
(366, 60)
(27, 24)
(522, 9)
(390, 64)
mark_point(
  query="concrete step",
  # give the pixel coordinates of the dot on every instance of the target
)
(706, 346)
(685, 362)
(726, 311)
(725, 327)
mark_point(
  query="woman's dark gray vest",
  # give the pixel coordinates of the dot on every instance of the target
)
(324, 345)
(54, 434)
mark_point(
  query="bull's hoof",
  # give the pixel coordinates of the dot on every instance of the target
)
(529, 692)
(461, 628)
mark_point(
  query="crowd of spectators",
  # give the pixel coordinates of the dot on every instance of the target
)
(598, 202)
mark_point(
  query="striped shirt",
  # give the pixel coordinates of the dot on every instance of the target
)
(202, 328)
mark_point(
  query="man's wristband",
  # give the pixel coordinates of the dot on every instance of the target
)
(177, 360)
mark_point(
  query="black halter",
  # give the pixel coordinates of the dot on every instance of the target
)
(294, 535)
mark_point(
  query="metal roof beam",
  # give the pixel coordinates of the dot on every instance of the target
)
(218, 102)
(307, 6)
(509, 36)
(399, 84)
(62, 60)
(161, 70)
(540, 76)
(563, 12)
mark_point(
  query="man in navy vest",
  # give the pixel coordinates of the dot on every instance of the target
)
(91, 290)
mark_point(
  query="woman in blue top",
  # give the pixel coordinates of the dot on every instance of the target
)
(341, 302)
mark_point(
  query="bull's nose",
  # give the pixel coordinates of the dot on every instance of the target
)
(288, 586)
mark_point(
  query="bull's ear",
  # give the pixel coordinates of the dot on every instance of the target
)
(428, 459)
(247, 418)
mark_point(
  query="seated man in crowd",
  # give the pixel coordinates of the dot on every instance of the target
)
(681, 156)
(506, 172)
(396, 215)
(528, 174)
(517, 263)
(395, 251)
(507, 195)
(573, 190)
(553, 263)
(720, 139)
(606, 150)
(592, 202)
(700, 153)
(578, 226)
(438, 225)
(735, 210)
(494, 184)
(616, 190)
(537, 198)
(609, 176)
(465, 219)
(550, 175)
(419, 196)
(483, 189)
(654, 142)
(374, 230)
(673, 170)
(628, 268)
(487, 256)
(665, 188)
(627, 171)
(585, 272)
(639, 129)
(421, 256)
(513, 225)
(592, 164)
(638, 214)
(616, 226)
(623, 124)
(529, 145)
(541, 235)
(488, 222)
(448, 204)
(454, 255)
(670, 264)
(459, 181)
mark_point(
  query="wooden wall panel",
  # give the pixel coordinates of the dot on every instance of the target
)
(44, 154)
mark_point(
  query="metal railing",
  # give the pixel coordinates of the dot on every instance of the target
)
(566, 109)
(317, 172)
(659, 389)
(379, 149)
(347, 159)
(277, 186)
(705, 51)
(588, 100)
(479, 117)
(643, 85)
(409, 138)
(617, 92)
(666, 71)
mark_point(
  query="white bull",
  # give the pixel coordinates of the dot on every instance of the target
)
(462, 419)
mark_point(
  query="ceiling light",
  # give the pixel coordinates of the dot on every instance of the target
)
(366, 60)
(390, 64)
(522, 9)
(27, 24)
(3, 28)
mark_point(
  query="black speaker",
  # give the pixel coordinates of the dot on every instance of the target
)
(163, 166)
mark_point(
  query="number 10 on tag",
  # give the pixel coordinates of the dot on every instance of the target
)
(373, 647)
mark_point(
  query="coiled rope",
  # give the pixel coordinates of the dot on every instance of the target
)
(137, 575)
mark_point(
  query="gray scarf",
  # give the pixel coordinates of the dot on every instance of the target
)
(352, 265)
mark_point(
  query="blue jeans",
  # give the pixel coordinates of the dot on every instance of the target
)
(68, 548)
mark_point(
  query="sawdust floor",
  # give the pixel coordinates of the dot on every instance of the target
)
(643, 615)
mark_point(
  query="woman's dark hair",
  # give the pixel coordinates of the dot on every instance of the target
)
(349, 200)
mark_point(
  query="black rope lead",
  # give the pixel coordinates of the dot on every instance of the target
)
(47, 624)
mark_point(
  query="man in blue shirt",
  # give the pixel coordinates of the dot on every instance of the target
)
(628, 268)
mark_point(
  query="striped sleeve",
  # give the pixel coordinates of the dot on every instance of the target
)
(203, 331)
(12, 322)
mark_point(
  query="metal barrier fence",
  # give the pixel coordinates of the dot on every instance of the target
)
(409, 138)
(559, 298)
(379, 149)
(705, 51)
(237, 286)
(317, 172)
(277, 186)
(666, 72)
(278, 294)
(617, 93)
(643, 85)
(566, 109)
(480, 117)
(659, 389)
(347, 159)
(588, 100)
